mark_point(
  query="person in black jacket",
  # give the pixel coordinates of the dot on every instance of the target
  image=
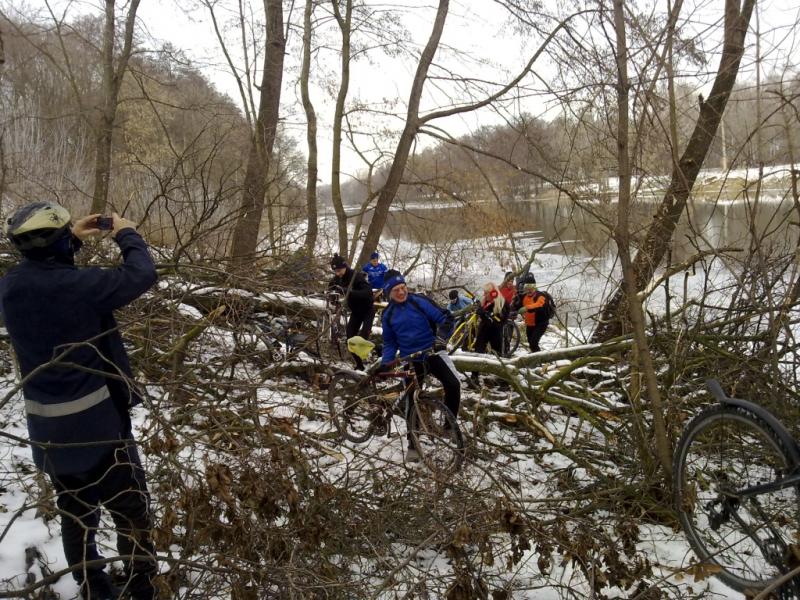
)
(360, 300)
(77, 387)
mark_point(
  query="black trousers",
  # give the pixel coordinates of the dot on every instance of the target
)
(489, 334)
(441, 367)
(534, 334)
(118, 484)
(360, 322)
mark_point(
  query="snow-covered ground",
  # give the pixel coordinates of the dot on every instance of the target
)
(509, 466)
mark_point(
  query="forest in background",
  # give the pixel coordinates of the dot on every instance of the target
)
(570, 460)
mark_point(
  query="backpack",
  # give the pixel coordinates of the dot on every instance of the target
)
(549, 308)
(414, 300)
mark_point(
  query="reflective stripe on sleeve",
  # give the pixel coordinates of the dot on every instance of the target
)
(63, 409)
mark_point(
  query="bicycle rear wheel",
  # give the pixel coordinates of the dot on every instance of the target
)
(436, 436)
(351, 402)
(722, 451)
(510, 338)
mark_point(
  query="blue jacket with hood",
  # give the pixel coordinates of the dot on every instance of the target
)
(60, 319)
(409, 326)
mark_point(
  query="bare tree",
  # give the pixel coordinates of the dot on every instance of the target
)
(245, 236)
(311, 132)
(684, 174)
(622, 237)
(345, 27)
(113, 74)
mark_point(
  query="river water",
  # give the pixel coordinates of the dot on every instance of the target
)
(575, 257)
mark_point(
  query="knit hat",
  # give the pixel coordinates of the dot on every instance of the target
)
(374, 255)
(337, 262)
(391, 279)
(453, 295)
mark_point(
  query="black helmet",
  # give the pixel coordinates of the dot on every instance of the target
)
(38, 225)
(528, 278)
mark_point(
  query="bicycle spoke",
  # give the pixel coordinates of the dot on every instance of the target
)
(437, 437)
(351, 405)
(723, 453)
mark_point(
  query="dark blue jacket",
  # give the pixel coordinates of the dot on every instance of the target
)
(409, 326)
(55, 310)
(375, 274)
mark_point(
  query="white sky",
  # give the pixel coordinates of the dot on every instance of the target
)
(477, 27)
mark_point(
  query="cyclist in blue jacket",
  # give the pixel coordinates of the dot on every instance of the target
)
(77, 386)
(375, 271)
(412, 323)
(457, 301)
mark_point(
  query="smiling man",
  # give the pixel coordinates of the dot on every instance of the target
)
(413, 323)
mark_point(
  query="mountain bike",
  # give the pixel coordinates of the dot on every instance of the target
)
(465, 335)
(736, 479)
(362, 406)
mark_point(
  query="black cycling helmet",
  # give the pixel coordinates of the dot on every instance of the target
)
(38, 225)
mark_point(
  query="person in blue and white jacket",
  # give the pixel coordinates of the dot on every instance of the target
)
(78, 389)
(375, 271)
(412, 323)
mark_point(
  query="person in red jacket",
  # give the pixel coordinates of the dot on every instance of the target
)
(532, 307)
(507, 288)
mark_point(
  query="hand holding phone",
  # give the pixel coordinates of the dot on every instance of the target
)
(105, 223)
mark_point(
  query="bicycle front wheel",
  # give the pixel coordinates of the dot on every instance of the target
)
(510, 338)
(436, 436)
(352, 406)
(751, 538)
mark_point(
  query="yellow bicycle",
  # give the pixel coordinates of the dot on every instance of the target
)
(465, 335)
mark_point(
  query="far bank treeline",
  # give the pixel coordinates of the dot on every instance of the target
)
(179, 149)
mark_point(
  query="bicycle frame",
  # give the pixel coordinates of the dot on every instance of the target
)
(469, 327)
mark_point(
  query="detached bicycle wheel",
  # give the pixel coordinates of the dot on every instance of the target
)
(751, 538)
(352, 407)
(436, 435)
(510, 338)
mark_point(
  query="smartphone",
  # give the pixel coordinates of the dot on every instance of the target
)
(105, 223)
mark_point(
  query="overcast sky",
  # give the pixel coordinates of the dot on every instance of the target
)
(477, 41)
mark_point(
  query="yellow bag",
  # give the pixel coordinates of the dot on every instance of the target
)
(360, 347)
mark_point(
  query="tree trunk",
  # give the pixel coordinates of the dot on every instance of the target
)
(245, 235)
(111, 85)
(622, 238)
(311, 134)
(336, 191)
(659, 236)
(392, 184)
